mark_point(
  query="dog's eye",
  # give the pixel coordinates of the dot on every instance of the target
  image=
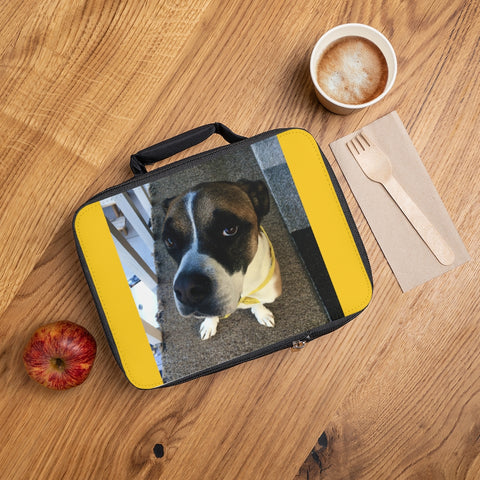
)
(169, 242)
(230, 231)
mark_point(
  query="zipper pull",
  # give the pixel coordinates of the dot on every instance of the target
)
(298, 344)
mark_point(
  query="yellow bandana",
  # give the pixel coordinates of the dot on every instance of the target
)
(248, 299)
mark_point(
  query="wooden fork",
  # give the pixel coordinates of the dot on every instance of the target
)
(376, 166)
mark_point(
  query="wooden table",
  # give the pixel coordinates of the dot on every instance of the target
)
(394, 394)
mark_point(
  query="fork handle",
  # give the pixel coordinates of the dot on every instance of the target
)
(420, 222)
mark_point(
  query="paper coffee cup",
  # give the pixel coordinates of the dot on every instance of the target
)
(350, 74)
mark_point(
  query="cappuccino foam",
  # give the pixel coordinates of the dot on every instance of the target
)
(353, 70)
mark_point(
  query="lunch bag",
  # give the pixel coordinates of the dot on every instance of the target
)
(170, 247)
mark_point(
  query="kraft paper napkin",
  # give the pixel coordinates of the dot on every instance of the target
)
(408, 256)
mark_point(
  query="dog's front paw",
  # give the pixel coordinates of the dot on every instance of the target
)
(208, 328)
(263, 315)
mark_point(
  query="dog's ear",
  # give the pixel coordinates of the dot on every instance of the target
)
(166, 203)
(258, 193)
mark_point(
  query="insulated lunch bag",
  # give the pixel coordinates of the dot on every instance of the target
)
(221, 257)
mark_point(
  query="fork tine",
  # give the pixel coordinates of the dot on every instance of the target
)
(353, 149)
(359, 146)
(365, 138)
(359, 143)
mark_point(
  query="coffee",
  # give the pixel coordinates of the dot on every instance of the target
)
(353, 70)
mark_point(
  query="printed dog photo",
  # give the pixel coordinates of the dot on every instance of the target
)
(225, 258)
(202, 250)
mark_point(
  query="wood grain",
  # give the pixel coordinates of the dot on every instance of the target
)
(414, 413)
(392, 395)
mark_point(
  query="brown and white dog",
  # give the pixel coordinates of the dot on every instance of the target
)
(225, 259)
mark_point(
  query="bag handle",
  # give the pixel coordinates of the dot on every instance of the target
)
(177, 144)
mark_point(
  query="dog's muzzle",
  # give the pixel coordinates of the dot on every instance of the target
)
(197, 294)
(202, 287)
(192, 289)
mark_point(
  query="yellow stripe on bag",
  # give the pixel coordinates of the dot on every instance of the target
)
(117, 301)
(327, 220)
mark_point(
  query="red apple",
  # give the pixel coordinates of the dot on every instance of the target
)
(60, 355)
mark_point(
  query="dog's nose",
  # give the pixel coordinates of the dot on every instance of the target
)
(192, 288)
